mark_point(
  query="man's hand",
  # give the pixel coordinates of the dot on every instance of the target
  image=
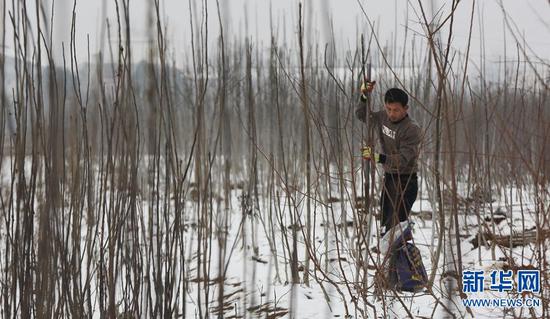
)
(367, 87)
(368, 154)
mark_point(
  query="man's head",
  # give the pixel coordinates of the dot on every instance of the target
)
(396, 104)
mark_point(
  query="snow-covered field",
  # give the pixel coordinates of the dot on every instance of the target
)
(250, 242)
(322, 299)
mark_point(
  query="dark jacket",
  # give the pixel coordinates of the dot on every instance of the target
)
(400, 141)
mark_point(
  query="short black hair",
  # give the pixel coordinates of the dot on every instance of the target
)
(396, 95)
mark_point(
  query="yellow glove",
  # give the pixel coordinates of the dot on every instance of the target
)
(368, 154)
(367, 87)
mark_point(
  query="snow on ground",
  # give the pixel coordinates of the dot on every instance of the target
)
(338, 262)
(259, 245)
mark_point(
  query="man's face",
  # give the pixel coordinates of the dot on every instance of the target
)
(395, 111)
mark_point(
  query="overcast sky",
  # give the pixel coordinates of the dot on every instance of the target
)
(253, 18)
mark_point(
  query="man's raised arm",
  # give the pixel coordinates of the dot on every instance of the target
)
(362, 110)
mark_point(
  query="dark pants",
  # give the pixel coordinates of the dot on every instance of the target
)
(397, 198)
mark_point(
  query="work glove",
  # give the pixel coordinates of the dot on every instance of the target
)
(368, 154)
(367, 87)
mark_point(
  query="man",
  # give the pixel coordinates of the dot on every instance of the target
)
(399, 139)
